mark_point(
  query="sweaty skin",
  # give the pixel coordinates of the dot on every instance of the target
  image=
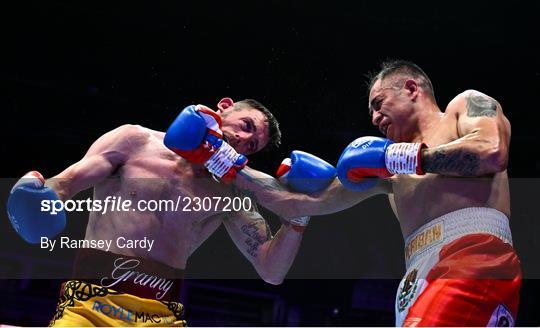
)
(416, 199)
(466, 157)
(466, 164)
(131, 162)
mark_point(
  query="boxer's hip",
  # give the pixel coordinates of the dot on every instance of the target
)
(117, 290)
(424, 245)
(465, 260)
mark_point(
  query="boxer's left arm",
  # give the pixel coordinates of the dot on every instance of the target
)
(271, 256)
(484, 138)
(276, 197)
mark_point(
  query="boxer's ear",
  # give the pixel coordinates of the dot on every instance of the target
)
(225, 104)
(412, 88)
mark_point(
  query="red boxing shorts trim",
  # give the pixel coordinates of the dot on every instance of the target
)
(461, 271)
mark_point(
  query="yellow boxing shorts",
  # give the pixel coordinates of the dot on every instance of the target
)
(119, 290)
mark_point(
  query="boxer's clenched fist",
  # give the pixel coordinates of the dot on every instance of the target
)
(371, 157)
(305, 173)
(196, 136)
(25, 212)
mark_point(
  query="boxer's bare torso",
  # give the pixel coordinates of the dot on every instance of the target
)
(149, 173)
(131, 163)
(463, 179)
(417, 199)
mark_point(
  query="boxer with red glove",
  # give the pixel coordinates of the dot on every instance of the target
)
(369, 157)
(196, 136)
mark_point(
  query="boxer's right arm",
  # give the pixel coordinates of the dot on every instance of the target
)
(102, 158)
(30, 192)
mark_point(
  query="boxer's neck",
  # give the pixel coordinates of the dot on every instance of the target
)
(426, 119)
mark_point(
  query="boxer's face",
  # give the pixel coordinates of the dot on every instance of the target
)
(246, 130)
(390, 109)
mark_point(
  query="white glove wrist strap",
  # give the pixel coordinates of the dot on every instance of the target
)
(403, 158)
(222, 160)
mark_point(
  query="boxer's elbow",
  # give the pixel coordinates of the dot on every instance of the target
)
(269, 272)
(495, 158)
(500, 160)
(479, 156)
(272, 278)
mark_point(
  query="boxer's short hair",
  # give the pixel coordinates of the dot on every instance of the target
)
(274, 133)
(403, 68)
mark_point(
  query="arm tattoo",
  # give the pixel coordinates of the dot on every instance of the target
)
(247, 193)
(263, 180)
(451, 161)
(254, 239)
(478, 104)
(260, 179)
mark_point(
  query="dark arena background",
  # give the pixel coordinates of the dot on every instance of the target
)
(73, 70)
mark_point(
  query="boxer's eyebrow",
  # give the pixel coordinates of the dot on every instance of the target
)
(252, 124)
(253, 128)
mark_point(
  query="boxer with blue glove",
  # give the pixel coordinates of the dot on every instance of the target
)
(25, 209)
(196, 135)
(367, 158)
(132, 162)
(305, 173)
(458, 242)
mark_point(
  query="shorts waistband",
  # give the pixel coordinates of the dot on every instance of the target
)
(128, 274)
(453, 225)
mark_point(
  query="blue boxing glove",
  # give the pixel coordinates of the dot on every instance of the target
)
(25, 211)
(367, 158)
(196, 136)
(187, 131)
(306, 173)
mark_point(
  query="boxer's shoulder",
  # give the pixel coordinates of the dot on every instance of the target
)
(132, 136)
(133, 131)
(470, 102)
